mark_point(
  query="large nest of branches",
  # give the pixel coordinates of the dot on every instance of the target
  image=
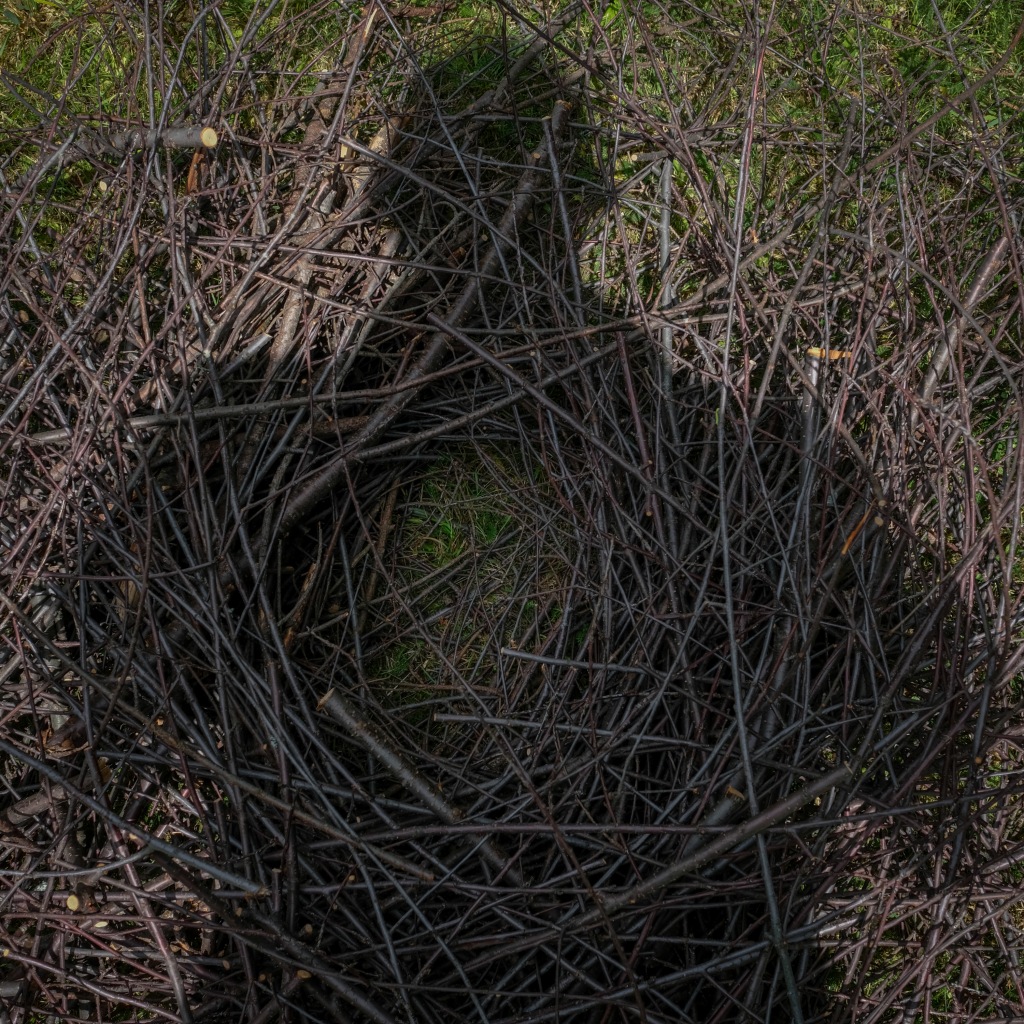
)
(492, 533)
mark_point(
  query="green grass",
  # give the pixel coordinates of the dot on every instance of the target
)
(463, 533)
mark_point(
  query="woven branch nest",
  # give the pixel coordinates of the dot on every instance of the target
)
(431, 593)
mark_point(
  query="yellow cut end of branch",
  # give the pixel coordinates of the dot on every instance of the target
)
(830, 353)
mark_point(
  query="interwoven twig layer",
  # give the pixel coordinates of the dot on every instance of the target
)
(457, 568)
